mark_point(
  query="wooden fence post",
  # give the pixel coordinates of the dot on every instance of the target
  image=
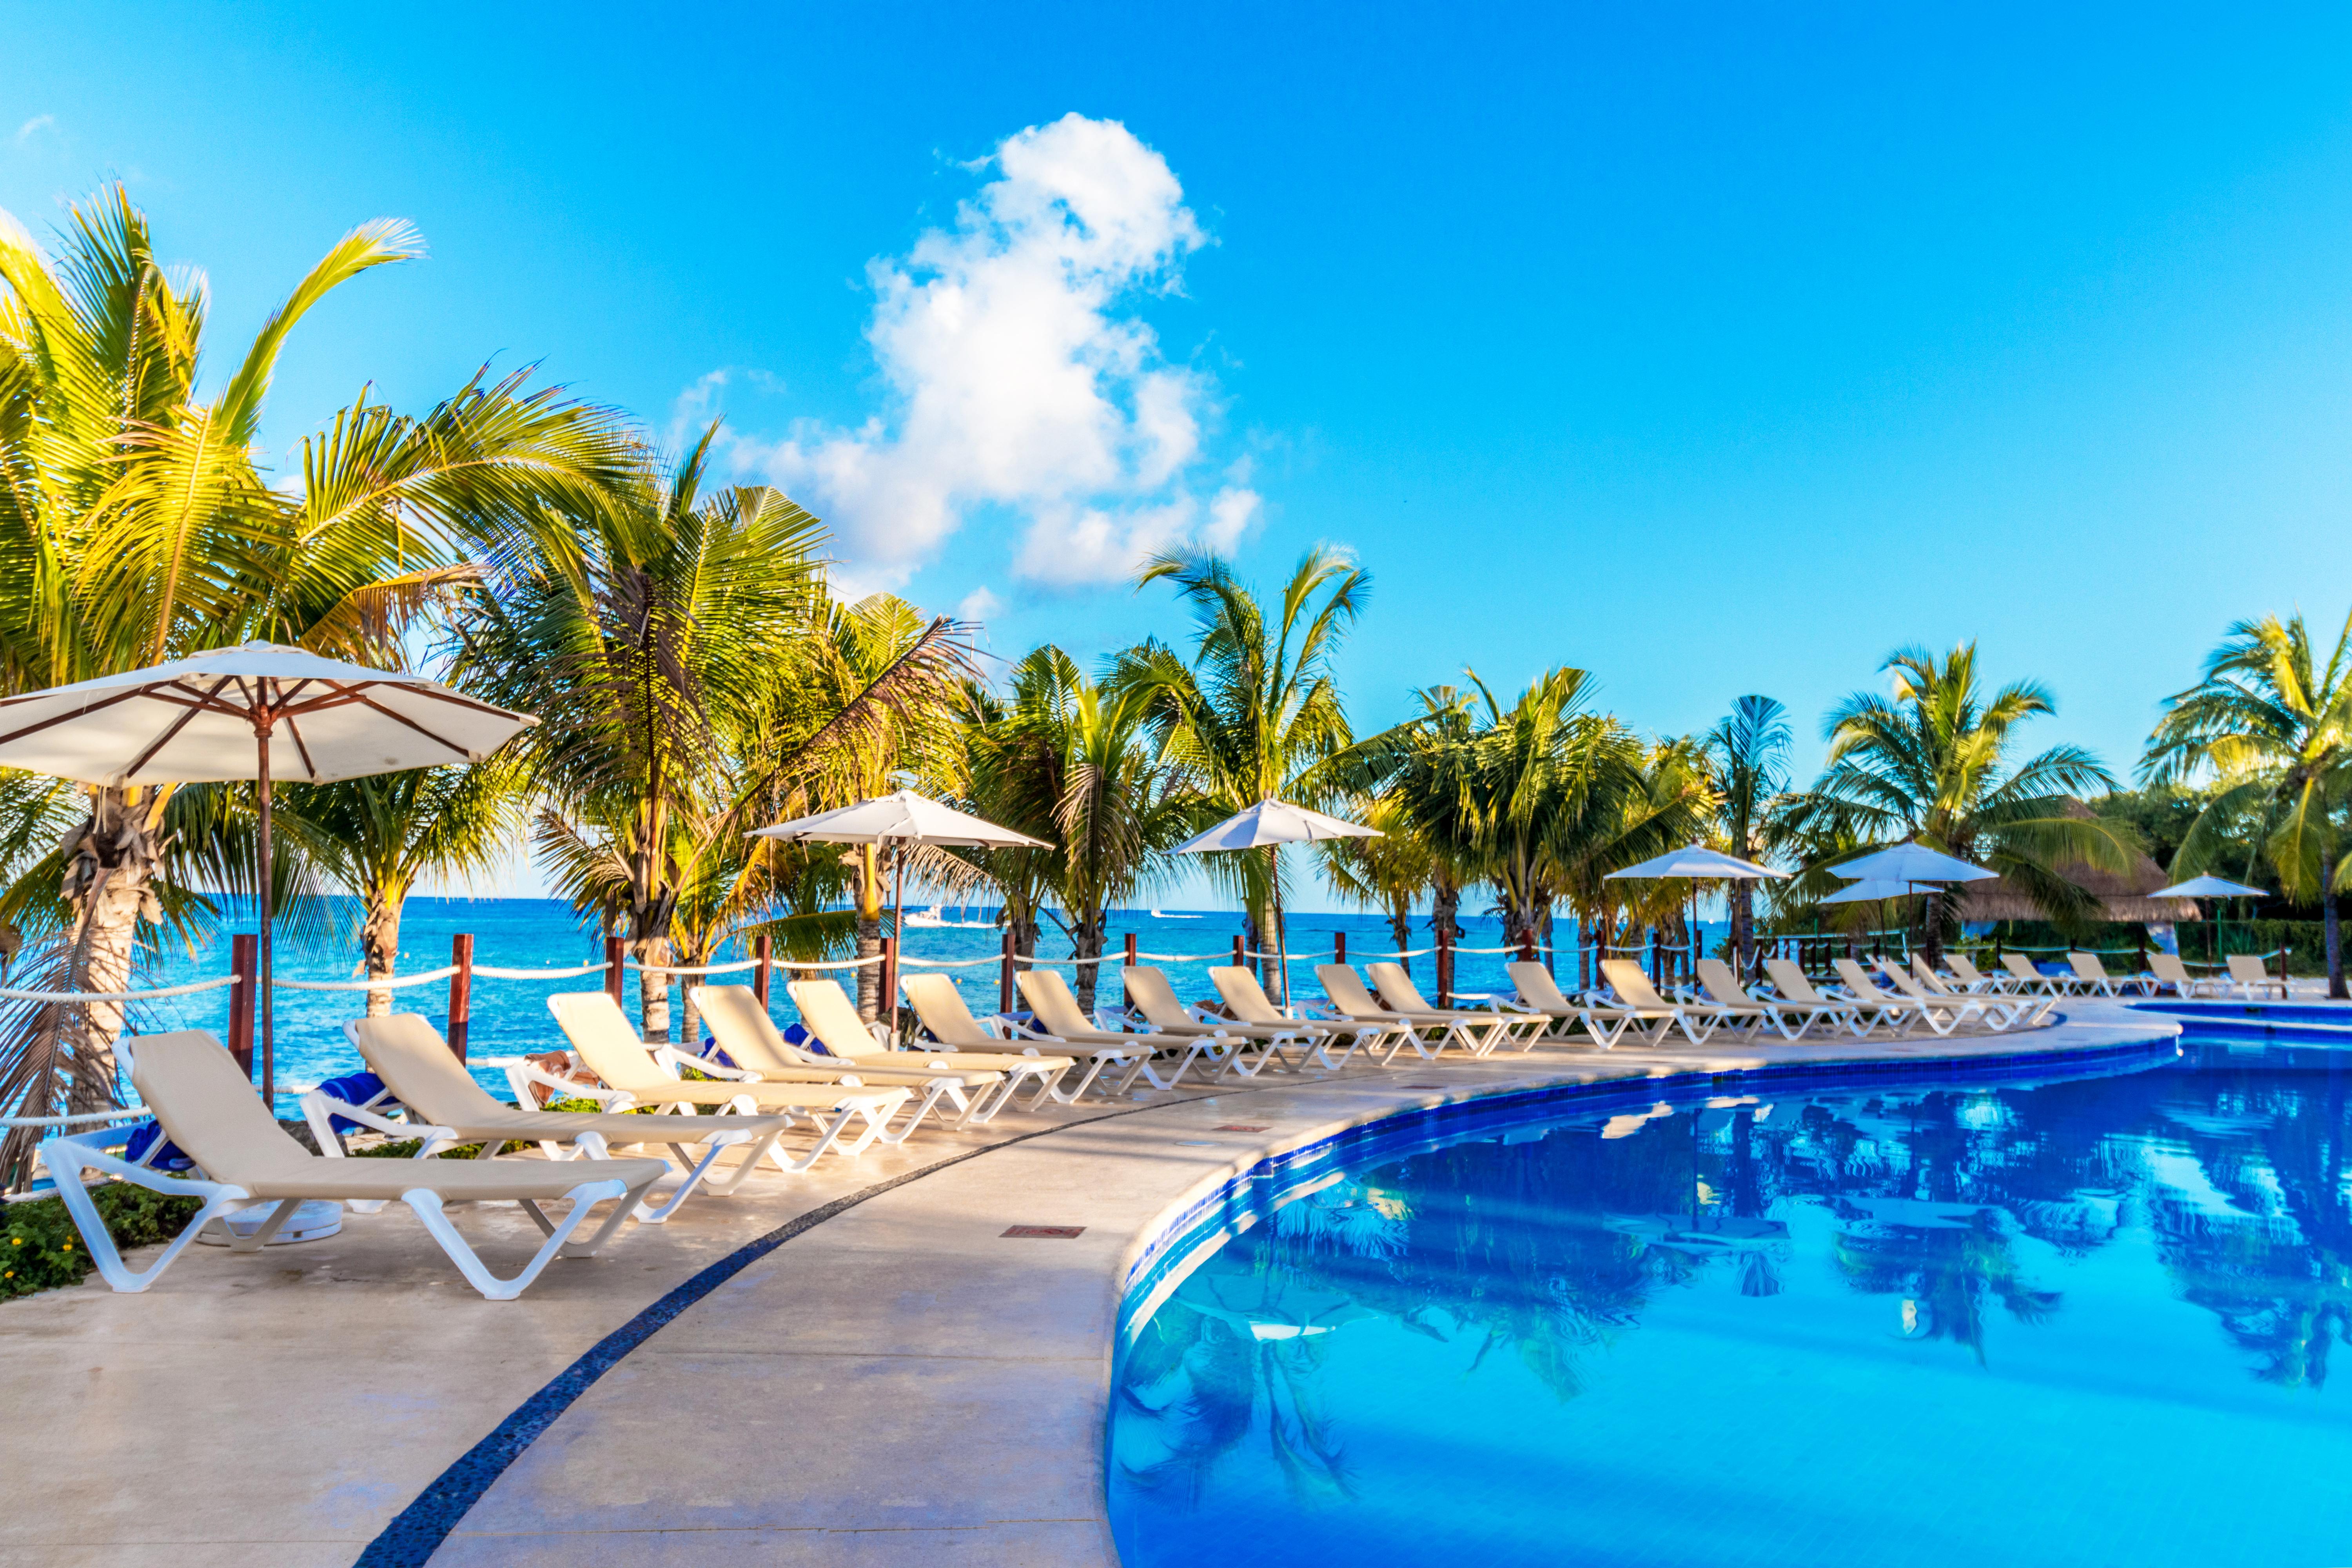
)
(613, 972)
(1005, 977)
(1338, 947)
(461, 991)
(889, 1007)
(764, 954)
(1445, 968)
(1239, 960)
(245, 963)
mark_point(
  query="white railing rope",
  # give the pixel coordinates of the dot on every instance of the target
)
(387, 982)
(117, 995)
(492, 973)
(121, 1114)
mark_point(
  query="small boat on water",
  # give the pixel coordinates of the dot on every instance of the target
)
(1160, 915)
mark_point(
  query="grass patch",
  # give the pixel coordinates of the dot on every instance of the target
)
(41, 1250)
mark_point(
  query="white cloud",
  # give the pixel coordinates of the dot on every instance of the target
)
(1019, 380)
(977, 605)
(39, 123)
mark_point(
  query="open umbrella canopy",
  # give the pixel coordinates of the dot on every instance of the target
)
(2210, 887)
(1274, 821)
(1698, 862)
(198, 719)
(901, 818)
(1870, 891)
(1910, 862)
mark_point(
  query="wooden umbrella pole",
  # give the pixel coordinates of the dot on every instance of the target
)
(262, 726)
(1281, 947)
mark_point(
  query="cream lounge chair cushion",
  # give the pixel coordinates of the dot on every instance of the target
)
(1346, 989)
(825, 1010)
(424, 1074)
(609, 1047)
(1050, 999)
(753, 1042)
(207, 1107)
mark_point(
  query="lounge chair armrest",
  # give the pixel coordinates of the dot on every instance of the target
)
(1015, 1029)
(670, 1055)
(321, 1109)
(522, 1074)
(67, 1158)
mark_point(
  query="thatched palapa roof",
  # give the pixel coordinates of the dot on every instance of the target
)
(2122, 894)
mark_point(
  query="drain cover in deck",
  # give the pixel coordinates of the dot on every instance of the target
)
(1236, 1127)
(1045, 1232)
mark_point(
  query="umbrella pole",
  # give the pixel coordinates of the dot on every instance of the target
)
(1281, 948)
(268, 1057)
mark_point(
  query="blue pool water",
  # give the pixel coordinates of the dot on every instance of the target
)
(2080, 1318)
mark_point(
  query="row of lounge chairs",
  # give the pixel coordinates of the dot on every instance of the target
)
(847, 1087)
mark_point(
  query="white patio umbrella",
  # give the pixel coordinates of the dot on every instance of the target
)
(898, 822)
(1267, 825)
(1700, 864)
(210, 719)
(2210, 887)
(1911, 862)
(1873, 890)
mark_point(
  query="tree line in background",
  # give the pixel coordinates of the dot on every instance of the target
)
(695, 678)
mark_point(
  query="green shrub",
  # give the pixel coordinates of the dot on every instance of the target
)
(41, 1250)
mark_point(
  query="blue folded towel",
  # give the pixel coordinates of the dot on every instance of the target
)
(144, 1137)
(354, 1088)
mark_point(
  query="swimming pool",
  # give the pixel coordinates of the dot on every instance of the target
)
(2079, 1316)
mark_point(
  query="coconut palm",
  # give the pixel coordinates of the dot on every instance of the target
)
(1933, 764)
(1748, 748)
(1392, 873)
(1670, 803)
(381, 835)
(138, 524)
(2274, 728)
(1254, 714)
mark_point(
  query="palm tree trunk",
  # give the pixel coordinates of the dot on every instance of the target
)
(1932, 938)
(1086, 937)
(380, 945)
(653, 989)
(2332, 924)
(1743, 928)
(1400, 932)
(109, 862)
(869, 933)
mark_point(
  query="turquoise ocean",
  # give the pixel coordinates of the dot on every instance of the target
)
(511, 1017)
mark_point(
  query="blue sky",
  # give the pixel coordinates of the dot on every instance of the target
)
(1713, 348)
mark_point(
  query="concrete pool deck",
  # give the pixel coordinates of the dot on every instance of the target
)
(884, 1377)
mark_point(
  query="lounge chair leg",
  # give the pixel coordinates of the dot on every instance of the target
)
(427, 1205)
(219, 1199)
(268, 1227)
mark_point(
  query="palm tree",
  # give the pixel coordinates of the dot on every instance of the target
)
(2274, 729)
(1391, 873)
(137, 524)
(647, 634)
(1750, 749)
(1255, 713)
(1932, 764)
(1670, 803)
(383, 835)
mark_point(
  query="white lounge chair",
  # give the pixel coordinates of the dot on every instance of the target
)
(1940, 1014)
(1794, 1019)
(1430, 1032)
(2167, 969)
(1312, 1037)
(1062, 1021)
(608, 1046)
(741, 1028)
(2027, 1010)
(446, 1106)
(1996, 1013)
(1634, 988)
(2094, 980)
(1539, 993)
(2030, 981)
(2250, 980)
(1975, 980)
(208, 1107)
(1392, 983)
(1152, 1001)
(1856, 1018)
(827, 1012)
